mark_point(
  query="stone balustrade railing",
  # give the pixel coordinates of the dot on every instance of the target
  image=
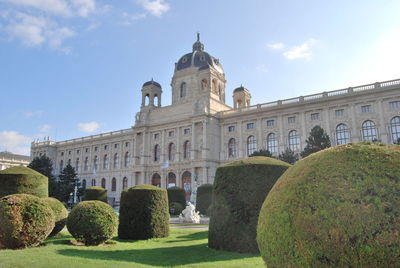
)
(313, 97)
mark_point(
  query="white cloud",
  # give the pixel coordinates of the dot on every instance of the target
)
(84, 7)
(276, 46)
(59, 7)
(14, 142)
(92, 26)
(155, 7)
(36, 31)
(44, 128)
(302, 51)
(129, 18)
(88, 127)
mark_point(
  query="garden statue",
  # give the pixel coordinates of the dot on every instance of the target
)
(189, 215)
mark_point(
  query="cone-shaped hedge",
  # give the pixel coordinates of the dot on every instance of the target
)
(176, 195)
(23, 180)
(25, 221)
(92, 222)
(96, 193)
(336, 208)
(143, 213)
(240, 188)
(203, 198)
(60, 214)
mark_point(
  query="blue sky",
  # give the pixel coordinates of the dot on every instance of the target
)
(72, 68)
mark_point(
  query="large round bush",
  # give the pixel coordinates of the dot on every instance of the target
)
(175, 208)
(203, 198)
(60, 214)
(92, 222)
(336, 208)
(23, 180)
(176, 195)
(240, 188)
(96, 193)
(143, 213)
(25, 221)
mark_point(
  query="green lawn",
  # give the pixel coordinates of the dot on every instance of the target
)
(183, 248)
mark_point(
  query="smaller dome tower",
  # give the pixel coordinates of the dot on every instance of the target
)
(241, 97)
(151, 91)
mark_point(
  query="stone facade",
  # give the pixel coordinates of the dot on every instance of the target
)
(8, 159)
(182, 144)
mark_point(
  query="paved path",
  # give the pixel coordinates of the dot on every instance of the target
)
(176, 224)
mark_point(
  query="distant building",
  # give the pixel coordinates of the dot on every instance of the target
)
(183, 144)
(8, 159)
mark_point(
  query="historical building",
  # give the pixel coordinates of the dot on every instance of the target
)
(182, 144)
(8, 159)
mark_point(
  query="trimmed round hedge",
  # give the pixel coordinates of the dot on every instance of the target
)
(176, 195)
(240, 187)
(60, 214)
(336, 208)
(204, 197)
(175, 208)
(96, 193)
(23, 180)
(25, 221)
(143, 213)
(92, 222)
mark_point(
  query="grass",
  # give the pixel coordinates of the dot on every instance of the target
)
(183, 248)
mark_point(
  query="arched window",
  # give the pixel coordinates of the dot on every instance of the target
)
(77, 165)
(183, 90)
(146, 100)
(116, 160)
(61, 165)
(124, 183)
(232, 148)
(155, 100)
(156, 180)
(86, 164)
(369, 132)
(171, 180)
(156, 153)
(342, 134)
(126, 159)
(186, 150)
(395, 128)
(103, 183)
(105, 162)
(187, 184)
(272, 143)
(294, 140)
(93, 182)
(95, 162)
(84, 184)
(251, 145)
(113, 185)
(171, 152)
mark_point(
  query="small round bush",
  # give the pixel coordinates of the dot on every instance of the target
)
(23, 180)
(25, 221)
(96, 193)
(336, 208)
(143, 213)
(60, 214)
(203, 199)
(240, 188)
(176, 195)
(92, 222)
(175, 208)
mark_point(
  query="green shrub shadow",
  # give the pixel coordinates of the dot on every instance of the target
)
(169, 256)
(190, 237)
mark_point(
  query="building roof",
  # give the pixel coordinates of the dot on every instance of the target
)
(8, 155)
(151, 82)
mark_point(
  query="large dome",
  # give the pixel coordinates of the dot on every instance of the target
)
(198, 58)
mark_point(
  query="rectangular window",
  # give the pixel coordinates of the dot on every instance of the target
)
(105, 147)
(231, 128)
(171, 134)
(339, 112)
(69, 152)
(270, 123)
(116, 146)
(366, 109)
(186, 131)
(291, 119)
(315, 116)
(156, 136)
(95, 149)
(77, 151)
(394, 104)
(62, 153)
(126, 144)
(86, 150)
(250, 125)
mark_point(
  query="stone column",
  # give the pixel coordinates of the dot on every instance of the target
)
(240, 147)
(222, 154)
(281, 140)
(193, 143)
(304, 134)
(355, 133)
(205, 146)
(382, 129)
(178, 145)
(259, 134)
